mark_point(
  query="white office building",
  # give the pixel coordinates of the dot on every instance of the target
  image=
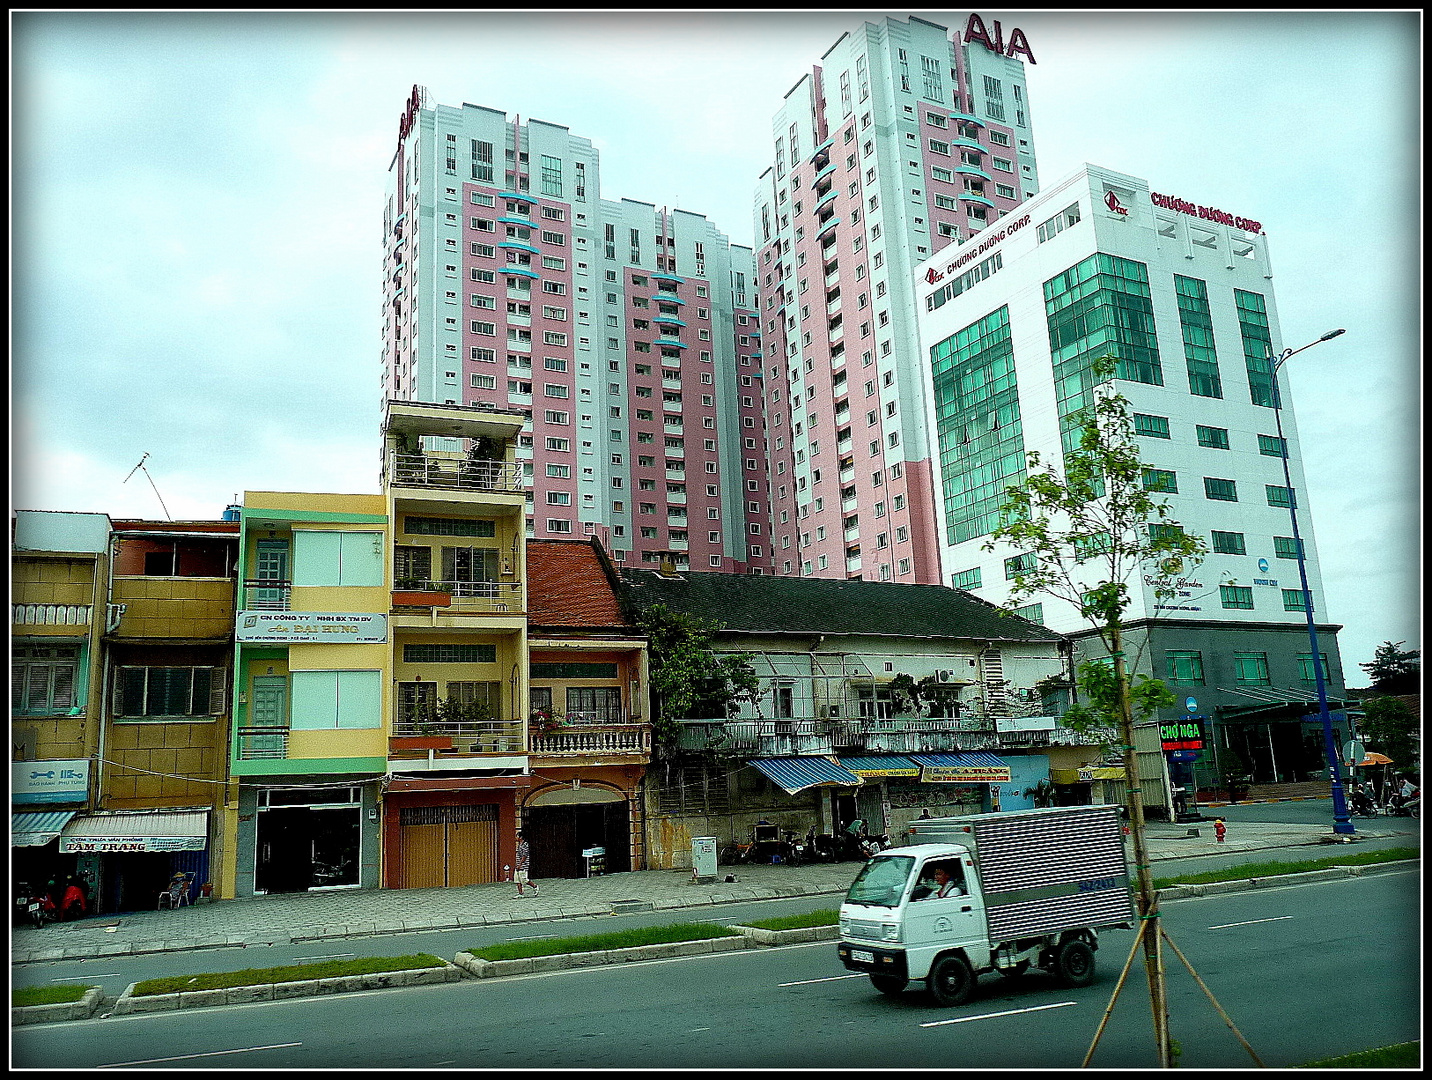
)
(1181, 294)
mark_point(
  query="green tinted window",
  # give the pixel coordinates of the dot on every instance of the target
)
(1229, 543)
(1215, 437)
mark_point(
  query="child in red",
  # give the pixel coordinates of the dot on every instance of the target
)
(1219, 829)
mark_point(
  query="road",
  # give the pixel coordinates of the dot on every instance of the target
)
(1306, 972)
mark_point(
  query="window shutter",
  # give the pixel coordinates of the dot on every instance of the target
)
(218, 685)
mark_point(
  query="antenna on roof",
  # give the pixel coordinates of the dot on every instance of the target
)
(140, 467)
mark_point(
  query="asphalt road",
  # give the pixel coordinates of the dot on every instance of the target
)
(1306, 972)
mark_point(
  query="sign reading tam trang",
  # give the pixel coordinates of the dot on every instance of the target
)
(326, 627)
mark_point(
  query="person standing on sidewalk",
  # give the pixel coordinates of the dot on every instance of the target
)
(524, 861)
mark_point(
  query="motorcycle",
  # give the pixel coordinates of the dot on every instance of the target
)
(797, 851)
(872, 844)
(34, 906)
(821, 847)
(1362, 805)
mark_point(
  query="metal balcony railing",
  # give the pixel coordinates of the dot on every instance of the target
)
(267, 595)
(474, 737)
(421, 470)
(471, 595)
(263, 744)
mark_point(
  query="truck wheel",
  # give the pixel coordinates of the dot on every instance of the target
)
(951, 981)
(889, 985)
(1074, 963)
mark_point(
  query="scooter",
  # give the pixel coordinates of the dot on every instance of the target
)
(35, 906)
(1362, 805)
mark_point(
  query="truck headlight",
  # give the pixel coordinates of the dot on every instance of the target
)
(891, 932)
(844, 928)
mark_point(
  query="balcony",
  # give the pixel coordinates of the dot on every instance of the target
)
(461, 596)
(599, 740)
(267, 595)
(422, 470)
(50, 614)
(787, 737)
(466, 737)
(263, 744)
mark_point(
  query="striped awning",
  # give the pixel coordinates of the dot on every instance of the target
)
(143, 830)
(36, 830)
(795, 774)
(881, 765)
(975, 767)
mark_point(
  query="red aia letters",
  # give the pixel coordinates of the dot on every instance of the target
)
(1018, 44)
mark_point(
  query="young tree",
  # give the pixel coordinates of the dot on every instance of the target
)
(1390, 727)
(1394, 671)
(1084, 532)
(688, 679)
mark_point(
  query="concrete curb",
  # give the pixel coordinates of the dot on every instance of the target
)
(489, 969)
(128, 1003)
(762, 936)
(1332, 873)
(82, 1009)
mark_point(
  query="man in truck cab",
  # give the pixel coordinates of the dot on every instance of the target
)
(940, 879)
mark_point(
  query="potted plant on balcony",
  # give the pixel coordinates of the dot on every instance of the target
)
(546, 722)
(415, 592)
(426, 722)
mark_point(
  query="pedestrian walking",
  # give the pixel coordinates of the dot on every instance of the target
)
(524, 860)
(1219, 829)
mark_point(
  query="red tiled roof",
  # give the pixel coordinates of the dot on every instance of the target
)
(566, 585)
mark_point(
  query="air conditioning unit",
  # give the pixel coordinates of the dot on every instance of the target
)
(944, 676)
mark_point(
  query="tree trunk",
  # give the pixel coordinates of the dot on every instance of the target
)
(1148, 896)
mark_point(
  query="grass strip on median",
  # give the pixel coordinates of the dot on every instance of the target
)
(224, 980)
(1273, 869)
(46, 995)
(1400, 1056)
(825, 917)
(616, 939)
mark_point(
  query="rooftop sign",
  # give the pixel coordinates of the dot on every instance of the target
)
(1018, 44)
(1208, 213)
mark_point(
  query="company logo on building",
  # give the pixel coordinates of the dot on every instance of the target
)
(986, 242)
(1018, 43)
(1112, 202)
(410, 113)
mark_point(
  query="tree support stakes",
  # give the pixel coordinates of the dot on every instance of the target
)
(1118, 988)
(1226, 1019)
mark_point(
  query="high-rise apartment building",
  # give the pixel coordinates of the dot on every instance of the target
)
(624, 332)
(906, 139)
(1181, 295)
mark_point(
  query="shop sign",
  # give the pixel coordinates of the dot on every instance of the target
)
(325, 627)
(410, 113)
(110, 845)
(1018, 44)
(61, 781)
(1185, 734)
(1207, 213)
(932, 275)
(964, 774)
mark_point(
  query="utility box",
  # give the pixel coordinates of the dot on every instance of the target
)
(703, 859)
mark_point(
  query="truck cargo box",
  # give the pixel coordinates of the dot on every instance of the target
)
(1043, 871)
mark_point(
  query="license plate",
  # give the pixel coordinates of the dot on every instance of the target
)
(860, 956)
(34, 907)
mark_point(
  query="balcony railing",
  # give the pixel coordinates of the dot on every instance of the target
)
(898, 735)
(421, 470)
(594, 740)
(472, 595)
(470, 737)
(263, 744)
(267, 595)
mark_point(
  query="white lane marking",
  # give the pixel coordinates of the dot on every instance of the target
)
(831, 978)
(326, 956)
(86, 975)
(1250, 922)
(701, 1029)
(532, 937)
(991, 1016)
(185, 1057)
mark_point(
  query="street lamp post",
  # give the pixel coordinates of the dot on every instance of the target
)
(1342, 823)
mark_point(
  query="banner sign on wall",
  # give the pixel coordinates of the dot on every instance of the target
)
(963, 774)
(324, 627)
(63, 781)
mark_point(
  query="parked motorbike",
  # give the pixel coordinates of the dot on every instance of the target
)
(797, 851)
(34, 906)
(822, 847)
(871, 844)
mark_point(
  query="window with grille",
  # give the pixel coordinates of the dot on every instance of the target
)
(167, 692)
(42, 679)
(449, 653)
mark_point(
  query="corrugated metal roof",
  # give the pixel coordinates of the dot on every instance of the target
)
(795, 774)
(34, 830)
(172, 823)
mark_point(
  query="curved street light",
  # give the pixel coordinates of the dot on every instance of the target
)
(1342, 823)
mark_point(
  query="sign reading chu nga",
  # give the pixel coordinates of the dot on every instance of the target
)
(328, 627)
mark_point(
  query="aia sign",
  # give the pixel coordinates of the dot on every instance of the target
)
(410, 114)
(1018, 44)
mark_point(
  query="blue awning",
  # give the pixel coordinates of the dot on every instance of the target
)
(669, 277)
(881, 765)
(794, 774)
(970, 196)
(516, 195)
(518, 245)
(35, 830)
(522, 273)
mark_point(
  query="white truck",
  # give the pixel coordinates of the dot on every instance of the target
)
(989, 892)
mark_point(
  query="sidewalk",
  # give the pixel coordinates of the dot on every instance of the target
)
(264, 920)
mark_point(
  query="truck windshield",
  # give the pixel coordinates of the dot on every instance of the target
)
(882, 882)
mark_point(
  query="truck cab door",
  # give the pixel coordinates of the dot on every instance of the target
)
(946, 921)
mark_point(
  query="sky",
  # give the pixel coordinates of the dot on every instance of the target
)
(197, 205)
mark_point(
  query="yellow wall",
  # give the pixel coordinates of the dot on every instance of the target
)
(196, 750)
(339, 743)
(52, 581)
(256, 502)
(341, 598)
(175, 607)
